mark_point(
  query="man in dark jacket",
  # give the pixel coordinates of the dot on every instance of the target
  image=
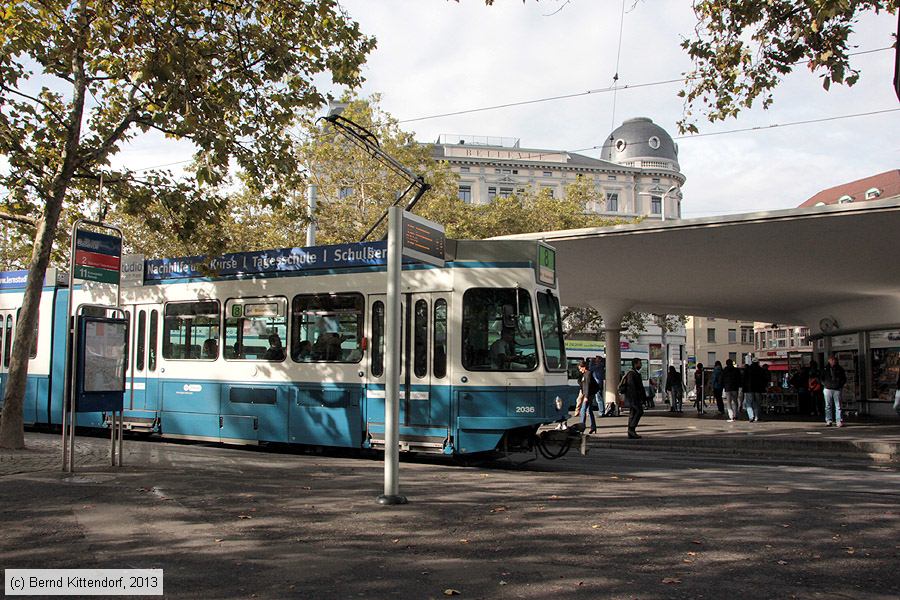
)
(731, 382)
(755, 383)
(632, 387)
(833, 378)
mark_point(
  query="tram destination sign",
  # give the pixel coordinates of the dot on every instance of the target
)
(269, 262)
(423, 240)
(97, 256)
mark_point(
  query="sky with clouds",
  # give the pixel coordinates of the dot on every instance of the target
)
(439, 56)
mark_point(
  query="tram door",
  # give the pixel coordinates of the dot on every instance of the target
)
(7, 331)
(424, 381)
(141, 383)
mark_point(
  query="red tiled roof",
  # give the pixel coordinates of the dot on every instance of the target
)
(888, 182)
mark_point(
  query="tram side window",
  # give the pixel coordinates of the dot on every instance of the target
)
(34, 336)
(420, 338)
(551, 331)
(7, 343)
(141, 340)
(151, 346)
(327, 328)
(255, 329)
(378, 338)
(498, 330)
(186, 328)
(439, 360)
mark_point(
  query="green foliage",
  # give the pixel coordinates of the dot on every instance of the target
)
(742, 48)
(580, 320)
(354, 190)
(230, 78)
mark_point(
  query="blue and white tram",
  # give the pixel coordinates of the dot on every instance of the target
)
(288, 346)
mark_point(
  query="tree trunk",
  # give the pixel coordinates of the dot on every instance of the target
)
(12, 433)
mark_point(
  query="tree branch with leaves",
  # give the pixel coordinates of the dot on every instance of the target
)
(230, 78)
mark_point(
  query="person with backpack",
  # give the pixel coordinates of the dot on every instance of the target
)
(833, 380)
(632, 387)
(588, 392)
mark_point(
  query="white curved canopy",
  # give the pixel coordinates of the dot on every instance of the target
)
(796, 266)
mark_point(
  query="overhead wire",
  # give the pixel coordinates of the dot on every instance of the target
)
(586, 93)
(614, 88)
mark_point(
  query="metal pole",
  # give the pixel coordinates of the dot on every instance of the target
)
(121, 435)
(392, 362)
(311, 214)
(112, 439)
(70, 329)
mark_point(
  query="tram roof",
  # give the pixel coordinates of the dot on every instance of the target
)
(796, 266)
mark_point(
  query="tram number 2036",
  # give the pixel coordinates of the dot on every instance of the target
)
(524, 409)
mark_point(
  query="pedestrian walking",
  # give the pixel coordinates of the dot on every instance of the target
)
(675, 387)
(586, 396)
(632, 387)
(833, 380)
(718, 387)
(731, 384)
(755, 382)
(700, 386)
(598, 372)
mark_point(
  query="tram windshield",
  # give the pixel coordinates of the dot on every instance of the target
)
(551, 332)
(498, 330)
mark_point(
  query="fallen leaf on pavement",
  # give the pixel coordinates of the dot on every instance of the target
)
(782, 562)
(671, 580)
(217, 540)
(502, 582)
(497, 509)
(463, 541)
(244, 517)
(451, 592)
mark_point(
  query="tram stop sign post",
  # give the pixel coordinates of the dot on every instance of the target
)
(422, 240)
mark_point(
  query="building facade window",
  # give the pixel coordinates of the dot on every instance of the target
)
(655, 205)
(732, 336)
(611, 177)
(733, 356)
(465, 193)
(655, 180)
(746, 335)
(548, 174)
(506, 192)
(612, 202)
(492, 192)
(548, 189)
(464, 169)
(711, 335)
(710, 359)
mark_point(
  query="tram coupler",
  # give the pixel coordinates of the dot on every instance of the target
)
(565, 437)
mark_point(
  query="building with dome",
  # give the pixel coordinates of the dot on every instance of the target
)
(637, 175)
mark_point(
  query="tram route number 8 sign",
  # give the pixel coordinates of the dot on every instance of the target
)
(546, 264)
